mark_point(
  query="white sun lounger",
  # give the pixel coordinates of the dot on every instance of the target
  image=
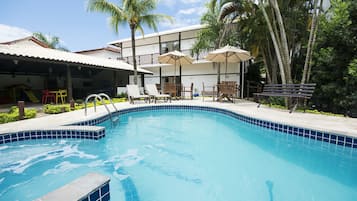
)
(153, 93)
(134, 93)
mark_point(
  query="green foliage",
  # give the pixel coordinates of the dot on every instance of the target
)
(51, 41)
(122, 95)
(13, 115)
(56, 109)
(335, 59)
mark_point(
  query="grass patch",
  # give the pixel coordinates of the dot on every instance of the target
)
(311, 111)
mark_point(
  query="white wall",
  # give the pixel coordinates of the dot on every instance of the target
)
(196, 74)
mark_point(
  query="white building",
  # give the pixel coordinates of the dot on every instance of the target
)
(149, 47)
(105, 52)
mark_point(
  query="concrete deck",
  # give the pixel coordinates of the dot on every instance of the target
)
(339, 125)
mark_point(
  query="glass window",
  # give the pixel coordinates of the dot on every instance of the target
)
(169, 46)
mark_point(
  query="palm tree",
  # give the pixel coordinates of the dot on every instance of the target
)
(135, 12)
(312, 40)
(51, 41)
(214, 35)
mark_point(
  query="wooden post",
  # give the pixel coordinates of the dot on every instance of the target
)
(21, 105)
(71, 104)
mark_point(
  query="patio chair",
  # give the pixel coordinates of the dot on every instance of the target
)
(170, 88)
(134, 94)
(62, 95)
(153, 93)
(187, 89)
(208, 91)
(228, 90)
(47, 96)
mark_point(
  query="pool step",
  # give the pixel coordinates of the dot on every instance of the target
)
(92, 186)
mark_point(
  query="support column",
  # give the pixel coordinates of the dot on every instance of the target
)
(241, 79)
(160, 77)
(142, 79)
(179, 39)
(160, 45)
(69, 84)
(180, 78)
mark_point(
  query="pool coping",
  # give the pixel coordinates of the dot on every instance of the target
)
(84, 127)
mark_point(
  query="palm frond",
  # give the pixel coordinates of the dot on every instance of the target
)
(41, 37)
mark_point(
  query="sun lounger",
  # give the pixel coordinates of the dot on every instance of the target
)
(134, 93)
(153, 93)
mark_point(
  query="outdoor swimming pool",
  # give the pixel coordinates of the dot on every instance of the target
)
(185, 155)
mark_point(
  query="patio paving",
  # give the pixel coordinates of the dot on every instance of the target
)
(339, 125)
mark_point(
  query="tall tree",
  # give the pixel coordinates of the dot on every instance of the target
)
(312, 39)
(335, 60)
(134, 12)
(51, 41)
(283, 24)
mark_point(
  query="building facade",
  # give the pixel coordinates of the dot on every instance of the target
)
(149, 47)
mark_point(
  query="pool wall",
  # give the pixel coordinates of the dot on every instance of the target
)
(332, 138)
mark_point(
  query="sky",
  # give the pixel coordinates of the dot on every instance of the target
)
(79, 29)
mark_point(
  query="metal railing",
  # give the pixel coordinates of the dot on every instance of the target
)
(99, 97)
(146, 59)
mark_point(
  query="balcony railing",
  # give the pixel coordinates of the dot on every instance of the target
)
(147, 59)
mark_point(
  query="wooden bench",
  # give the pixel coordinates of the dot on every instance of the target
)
(293, 91)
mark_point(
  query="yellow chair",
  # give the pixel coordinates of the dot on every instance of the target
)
(63, 95)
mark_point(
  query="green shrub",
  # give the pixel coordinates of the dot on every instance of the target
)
(30, 113)
(122, 95)
(8, 117)
(56, 109)
(13, 115)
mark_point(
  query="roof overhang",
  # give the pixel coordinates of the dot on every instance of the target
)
(40, 54)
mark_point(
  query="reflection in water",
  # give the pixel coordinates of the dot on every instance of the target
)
(270, 189)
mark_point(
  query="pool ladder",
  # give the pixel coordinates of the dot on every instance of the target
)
(114, 120)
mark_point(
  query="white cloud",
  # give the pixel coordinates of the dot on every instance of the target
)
(9, 33)
(180, 22)
(186, 17)
(192, 1)
(195, 10)
(188, 11)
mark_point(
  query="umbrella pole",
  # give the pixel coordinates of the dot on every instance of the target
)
(175, 73)
(225, 76)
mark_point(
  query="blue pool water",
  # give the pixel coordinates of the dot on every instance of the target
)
(185, 155)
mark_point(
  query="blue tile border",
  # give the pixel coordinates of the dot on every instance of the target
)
(94, 134)
(331, 138)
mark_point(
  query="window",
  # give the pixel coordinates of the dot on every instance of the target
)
(169, 46)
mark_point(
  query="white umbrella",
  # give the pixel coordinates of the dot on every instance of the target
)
(228, 54)
(175, 57)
